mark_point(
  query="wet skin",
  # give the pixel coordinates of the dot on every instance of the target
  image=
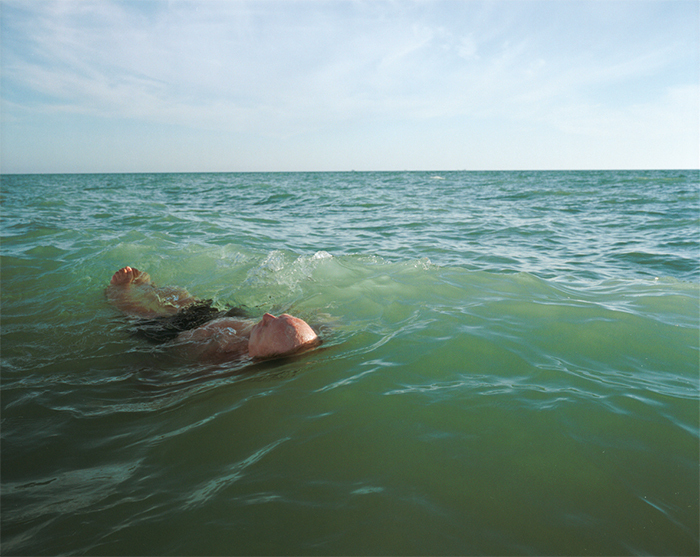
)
(132, 292)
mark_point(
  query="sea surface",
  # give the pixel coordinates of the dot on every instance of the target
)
(510, 365)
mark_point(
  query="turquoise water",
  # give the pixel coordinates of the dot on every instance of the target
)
(510, 365)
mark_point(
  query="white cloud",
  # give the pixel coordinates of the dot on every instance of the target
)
(467, 48)
(281, 70)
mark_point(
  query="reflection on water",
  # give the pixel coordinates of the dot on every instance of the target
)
(509, 365)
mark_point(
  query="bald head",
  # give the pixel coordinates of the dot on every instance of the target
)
(276, 336)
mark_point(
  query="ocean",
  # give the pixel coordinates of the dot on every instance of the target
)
(510, 365)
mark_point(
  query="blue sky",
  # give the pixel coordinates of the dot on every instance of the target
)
(170, 86)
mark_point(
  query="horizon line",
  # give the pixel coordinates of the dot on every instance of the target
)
(345, 171)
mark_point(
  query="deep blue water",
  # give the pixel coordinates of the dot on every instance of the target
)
(510, 365)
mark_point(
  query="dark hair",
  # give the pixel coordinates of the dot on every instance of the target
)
(164, 329)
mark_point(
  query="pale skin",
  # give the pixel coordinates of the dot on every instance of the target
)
(132, 292)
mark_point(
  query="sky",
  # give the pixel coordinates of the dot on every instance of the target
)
(284, 85)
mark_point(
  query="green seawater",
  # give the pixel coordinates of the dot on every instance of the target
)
(510, 365)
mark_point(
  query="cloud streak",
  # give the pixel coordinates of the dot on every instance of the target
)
(285, 70)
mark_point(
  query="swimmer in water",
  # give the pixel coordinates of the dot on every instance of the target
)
(211, 333)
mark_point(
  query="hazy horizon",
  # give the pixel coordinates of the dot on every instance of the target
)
(378, 171)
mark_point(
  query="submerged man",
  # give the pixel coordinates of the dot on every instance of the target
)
(175, 314)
